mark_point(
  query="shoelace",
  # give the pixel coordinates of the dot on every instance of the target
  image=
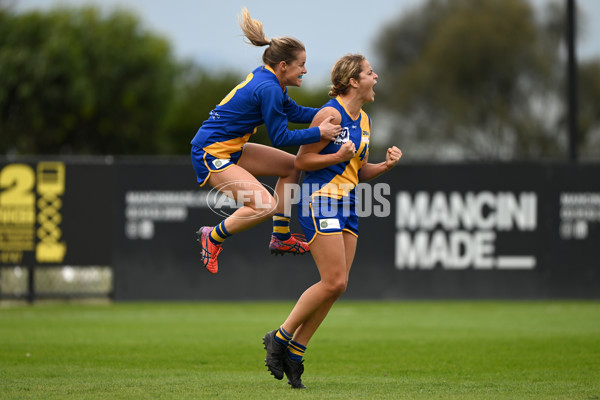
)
(299, 236)
(206, 255)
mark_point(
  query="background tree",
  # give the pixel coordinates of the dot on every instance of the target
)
(475, 79)
(197, 92)
(78, 81)
(459, 79)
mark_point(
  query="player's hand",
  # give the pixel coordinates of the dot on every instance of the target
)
(392, 157)
(328, 130)
(347, 151)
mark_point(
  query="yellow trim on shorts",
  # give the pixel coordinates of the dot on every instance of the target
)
(210, 171)
(349, 231)
(323, 234)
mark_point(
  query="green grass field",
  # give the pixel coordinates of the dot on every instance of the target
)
(364, 350)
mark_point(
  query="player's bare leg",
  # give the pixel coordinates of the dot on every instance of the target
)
(306, 330)
(258, 206)
(280, 164)
(333, 255)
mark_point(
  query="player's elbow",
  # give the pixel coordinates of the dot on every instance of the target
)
(278, 141)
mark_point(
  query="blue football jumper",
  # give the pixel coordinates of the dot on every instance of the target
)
(258, 100)
(339, 180)
(333, 187)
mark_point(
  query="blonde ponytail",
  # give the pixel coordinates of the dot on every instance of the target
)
(280, 49)
(253, 29)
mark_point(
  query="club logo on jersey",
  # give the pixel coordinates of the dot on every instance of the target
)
(343, 137)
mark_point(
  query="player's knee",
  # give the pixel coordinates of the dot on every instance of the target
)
(336, 287)
(264, 208)
(293, 173)
(341, 288)
(271, 211)
(289, 170)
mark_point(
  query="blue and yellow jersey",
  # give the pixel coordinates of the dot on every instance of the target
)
(339, 180)
(258, 100)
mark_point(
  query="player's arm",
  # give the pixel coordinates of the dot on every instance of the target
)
(276, 122)
(371, 171)
(308, 157)
(297, 113)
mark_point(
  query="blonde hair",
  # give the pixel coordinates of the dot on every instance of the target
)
(345, 68)
(279, 49)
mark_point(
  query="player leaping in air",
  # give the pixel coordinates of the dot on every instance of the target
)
(222, 157)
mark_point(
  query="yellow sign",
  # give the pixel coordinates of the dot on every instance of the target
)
(30, 217)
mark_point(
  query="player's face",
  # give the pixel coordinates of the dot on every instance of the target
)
(294, 71)
(367, 81)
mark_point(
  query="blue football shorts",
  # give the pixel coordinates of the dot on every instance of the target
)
(327, 216)
(205, 163)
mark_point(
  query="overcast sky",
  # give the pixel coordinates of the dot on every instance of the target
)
(208, 31)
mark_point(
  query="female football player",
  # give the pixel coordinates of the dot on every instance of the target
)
(222, 157)
(327, 211)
